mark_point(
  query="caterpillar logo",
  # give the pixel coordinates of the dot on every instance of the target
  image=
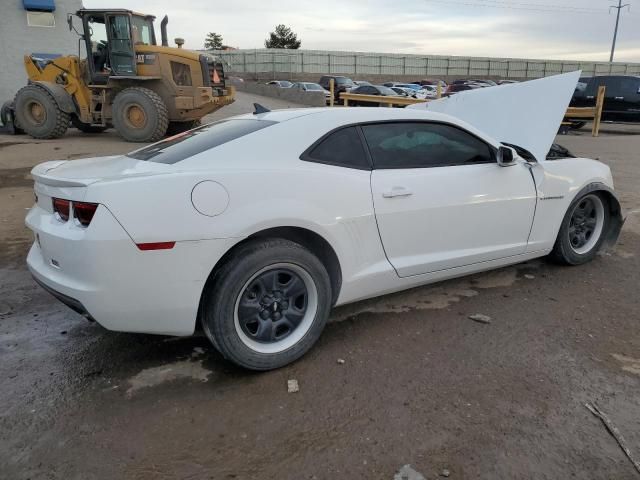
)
(145, 58)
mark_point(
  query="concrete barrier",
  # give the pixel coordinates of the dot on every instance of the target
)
(293, 95)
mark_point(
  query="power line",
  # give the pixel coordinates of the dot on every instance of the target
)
(522, 6)
(542, 6)
(615, 31)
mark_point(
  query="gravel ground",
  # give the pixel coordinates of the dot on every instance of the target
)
(403, 379)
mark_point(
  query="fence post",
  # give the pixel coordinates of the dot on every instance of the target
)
(329, 62)
(595, 131)
(355, 64)
(380, 64)
(404, 66)
(301, 62)
(426, 68)
(332, 89)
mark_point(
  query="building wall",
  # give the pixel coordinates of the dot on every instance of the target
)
(269, 64)
(18, 39)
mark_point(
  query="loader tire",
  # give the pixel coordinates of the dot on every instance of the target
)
(86, 127)
(38, 113)
(140, 115)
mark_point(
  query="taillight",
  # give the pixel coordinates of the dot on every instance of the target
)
(84, 212)
(62, 208)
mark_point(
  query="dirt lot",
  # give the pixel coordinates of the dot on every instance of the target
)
(421, 384)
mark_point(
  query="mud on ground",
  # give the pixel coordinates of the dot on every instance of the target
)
(421, 383)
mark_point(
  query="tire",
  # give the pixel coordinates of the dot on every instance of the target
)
(588, 213)
(38, 114)
(577, 125)
(257, 336)
(140, 115)
(179, 127)
(85, 127)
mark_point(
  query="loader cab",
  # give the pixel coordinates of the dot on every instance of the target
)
(111, 37)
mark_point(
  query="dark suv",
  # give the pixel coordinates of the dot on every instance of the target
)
(341, 84)
(621, 98)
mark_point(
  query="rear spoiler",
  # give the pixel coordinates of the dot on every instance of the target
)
(40, 175)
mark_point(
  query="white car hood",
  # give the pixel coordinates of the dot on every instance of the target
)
(526, 114)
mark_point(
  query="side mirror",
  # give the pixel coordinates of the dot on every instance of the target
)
(70, 21)
(505, 157)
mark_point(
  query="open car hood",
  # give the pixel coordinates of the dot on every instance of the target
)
(526, 114)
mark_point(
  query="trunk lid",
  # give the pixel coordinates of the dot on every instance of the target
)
(81, 173)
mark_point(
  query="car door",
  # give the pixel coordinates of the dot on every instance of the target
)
(624, 100)
(441, 200)
(123, 61)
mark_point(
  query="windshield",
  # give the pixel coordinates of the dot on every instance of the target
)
(179, 147)
(313, 86)
(142, 30)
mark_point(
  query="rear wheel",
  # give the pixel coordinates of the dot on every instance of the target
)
(140, 115)
(583, 230)
(268, 304)
(38, 113)
(86, 127)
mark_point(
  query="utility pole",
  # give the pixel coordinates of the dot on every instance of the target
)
(615, 32)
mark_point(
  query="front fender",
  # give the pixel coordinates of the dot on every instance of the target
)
(558, 184)
(61, 96)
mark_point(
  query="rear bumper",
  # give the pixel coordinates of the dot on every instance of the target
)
(72, 303)
(99, 272)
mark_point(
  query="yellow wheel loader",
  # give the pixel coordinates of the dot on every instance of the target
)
(126, 81)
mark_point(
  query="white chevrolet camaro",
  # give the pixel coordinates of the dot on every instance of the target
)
(257, 225)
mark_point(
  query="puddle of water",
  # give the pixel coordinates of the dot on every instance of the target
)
(629, 364)
(154, 376)
(433, 297)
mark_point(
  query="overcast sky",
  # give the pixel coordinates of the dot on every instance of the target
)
(561, 29)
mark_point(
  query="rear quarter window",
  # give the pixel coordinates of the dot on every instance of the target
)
(185, 145)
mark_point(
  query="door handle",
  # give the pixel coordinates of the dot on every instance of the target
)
(619, 98)
(397, 192)
(590, 97)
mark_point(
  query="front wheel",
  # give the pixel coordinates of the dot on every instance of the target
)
(583, 230)
(140, 115)
(268, 304)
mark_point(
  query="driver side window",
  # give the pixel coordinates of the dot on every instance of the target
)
(424, 145)
(98, 39)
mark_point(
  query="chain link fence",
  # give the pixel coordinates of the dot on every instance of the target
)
(272, 63)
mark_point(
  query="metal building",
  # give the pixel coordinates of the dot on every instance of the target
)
(32, 27)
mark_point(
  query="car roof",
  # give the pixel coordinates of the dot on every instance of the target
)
(346, 116)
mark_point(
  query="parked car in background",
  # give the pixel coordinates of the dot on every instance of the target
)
(311, 87)
(431, 91)
(341, 84)
(506, 82)
(401, 84)
(460, 87)
(372, 90)
(359, 83)
(431, 82)
(280, 83)
(404, 92)
(621, 100)
(484, 83)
